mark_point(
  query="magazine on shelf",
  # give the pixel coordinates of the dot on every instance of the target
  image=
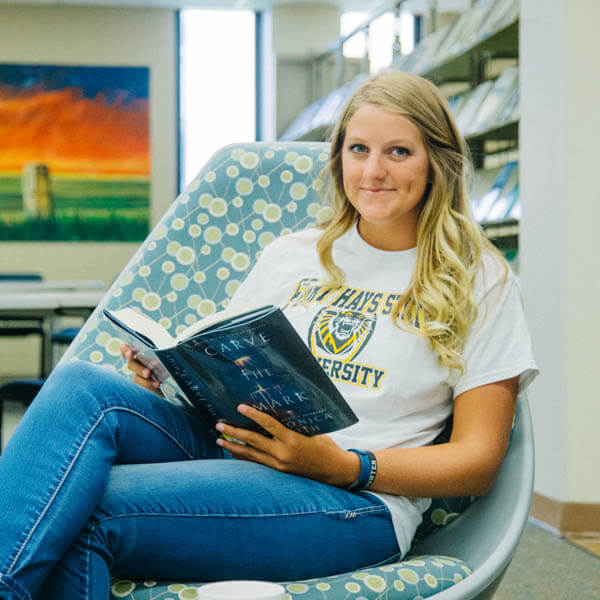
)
(254, 357)
(515, 209)
(429, 56)
(503, 13)
(483, 180)
(501, 90)
(444, 48)
(502, 208)
(483, 205)
(467, 31)
(465, 117)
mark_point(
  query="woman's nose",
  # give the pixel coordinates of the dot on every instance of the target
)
(375, 166)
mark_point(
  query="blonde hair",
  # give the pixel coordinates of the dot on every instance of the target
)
(450, 243)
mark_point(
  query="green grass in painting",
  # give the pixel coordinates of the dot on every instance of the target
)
(84, 210)
(115, 227)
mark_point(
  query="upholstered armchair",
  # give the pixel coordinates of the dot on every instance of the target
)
(190, 265)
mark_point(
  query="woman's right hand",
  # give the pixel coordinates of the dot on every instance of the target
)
(142, 374)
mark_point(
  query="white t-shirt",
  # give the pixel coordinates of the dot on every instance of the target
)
(390, 377)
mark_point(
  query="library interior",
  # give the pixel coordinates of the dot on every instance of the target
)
(151, 149)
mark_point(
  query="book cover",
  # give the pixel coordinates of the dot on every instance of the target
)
(502, 14)
(510, 110)
(255, 358)
(429, 56)
(502, 206)
(482, 181)
(515, 210)
(465, 117)
(468, 29)
(498, 95)
(483, 205)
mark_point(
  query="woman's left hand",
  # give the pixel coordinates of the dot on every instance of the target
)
(316, 457)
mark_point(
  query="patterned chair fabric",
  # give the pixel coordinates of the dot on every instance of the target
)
(419, 577)
(191, 264)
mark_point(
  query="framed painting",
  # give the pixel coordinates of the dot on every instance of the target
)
(74, 153)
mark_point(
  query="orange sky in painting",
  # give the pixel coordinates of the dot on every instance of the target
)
(73, 134)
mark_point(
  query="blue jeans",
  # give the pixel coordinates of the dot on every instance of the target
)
(102, 476)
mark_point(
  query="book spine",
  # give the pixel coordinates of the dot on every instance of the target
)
(190, 386)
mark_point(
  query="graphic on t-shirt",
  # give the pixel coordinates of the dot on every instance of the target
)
(310, 290)
(344, 325)
(342, 333)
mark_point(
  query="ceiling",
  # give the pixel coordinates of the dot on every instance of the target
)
(358, 5)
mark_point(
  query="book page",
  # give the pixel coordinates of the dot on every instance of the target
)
(146, 326)
(217, 317)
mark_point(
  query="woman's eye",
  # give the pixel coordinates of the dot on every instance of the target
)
(358, 148)
(400, 151)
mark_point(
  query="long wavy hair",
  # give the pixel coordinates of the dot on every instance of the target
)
(450, 243)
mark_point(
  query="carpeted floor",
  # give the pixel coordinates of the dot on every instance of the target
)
(548, 567)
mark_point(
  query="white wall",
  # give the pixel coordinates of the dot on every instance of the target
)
(299, 32)
(94, 36)
(583, 262)
(303, 29)
(560, 260)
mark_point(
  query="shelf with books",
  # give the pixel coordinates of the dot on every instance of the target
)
(496, 204)
(489, 27)
(478, 56)
(474, 60)
(500, 131)
(504, 235)
(453, 68)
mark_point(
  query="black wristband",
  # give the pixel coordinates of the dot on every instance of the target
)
(368, 470)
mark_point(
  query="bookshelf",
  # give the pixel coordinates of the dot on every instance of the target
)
(474, 61)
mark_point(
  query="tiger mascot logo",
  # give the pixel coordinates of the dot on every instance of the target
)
(342, 333)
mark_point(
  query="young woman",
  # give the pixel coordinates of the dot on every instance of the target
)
(413, 315)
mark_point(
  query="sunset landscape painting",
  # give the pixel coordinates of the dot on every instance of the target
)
(74, 153)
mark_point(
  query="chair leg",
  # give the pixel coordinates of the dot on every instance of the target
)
(43, 367)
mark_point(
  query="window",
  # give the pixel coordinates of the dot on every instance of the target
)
(218, 93)
(380, 42)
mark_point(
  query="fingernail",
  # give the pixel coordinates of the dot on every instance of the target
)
(128, 355)
(146, 373)
(219, 442)
(220, 427)
(242, 408)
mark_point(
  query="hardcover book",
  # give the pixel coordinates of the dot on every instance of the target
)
(255, 358)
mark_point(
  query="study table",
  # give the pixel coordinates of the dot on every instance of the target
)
(45, 302)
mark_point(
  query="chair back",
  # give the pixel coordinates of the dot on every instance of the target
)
(194, 259)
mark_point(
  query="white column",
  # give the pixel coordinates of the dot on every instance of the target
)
(560, 254)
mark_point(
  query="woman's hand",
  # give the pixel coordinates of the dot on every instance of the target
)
(317, 457)
(142, 374)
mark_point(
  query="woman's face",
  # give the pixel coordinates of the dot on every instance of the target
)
(385, 170)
